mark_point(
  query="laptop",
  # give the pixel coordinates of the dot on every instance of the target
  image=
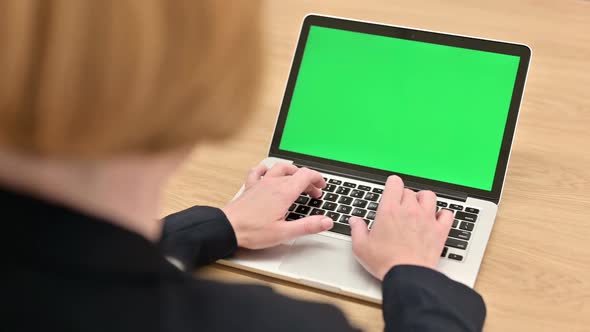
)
(364, 101)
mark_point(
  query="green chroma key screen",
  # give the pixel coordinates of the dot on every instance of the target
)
(421, 109)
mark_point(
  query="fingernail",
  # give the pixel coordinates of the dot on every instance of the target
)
(326, 223)
(352, 221)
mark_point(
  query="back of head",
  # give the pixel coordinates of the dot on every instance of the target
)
(98, 79)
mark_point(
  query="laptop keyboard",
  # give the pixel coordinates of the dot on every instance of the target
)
(342, 199)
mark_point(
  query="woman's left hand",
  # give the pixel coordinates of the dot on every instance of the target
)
(257, 216)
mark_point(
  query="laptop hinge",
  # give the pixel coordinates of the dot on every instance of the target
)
(440, 192)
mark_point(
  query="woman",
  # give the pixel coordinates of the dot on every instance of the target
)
(100, 101)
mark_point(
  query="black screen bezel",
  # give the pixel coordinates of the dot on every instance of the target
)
(378, 175)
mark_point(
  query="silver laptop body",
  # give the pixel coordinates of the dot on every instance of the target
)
(325, 260)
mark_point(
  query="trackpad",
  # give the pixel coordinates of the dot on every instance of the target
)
(326, 260)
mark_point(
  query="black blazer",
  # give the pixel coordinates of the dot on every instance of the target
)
(68, 271)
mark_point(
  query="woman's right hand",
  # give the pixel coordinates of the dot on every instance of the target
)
(407, 231)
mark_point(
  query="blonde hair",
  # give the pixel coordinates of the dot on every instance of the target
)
(96, 79)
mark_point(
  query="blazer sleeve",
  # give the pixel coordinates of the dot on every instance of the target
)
(421, 299)
(198, 236)
(414, 298)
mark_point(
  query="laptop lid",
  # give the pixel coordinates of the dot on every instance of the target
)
(370, 100)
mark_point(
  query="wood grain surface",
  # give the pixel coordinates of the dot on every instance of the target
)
(536, 272)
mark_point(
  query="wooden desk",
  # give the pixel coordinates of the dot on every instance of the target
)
(536, 272)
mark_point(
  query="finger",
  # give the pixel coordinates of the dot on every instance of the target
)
(282, 169)
(409, 197)
(392, 193)
(305, 177)
(254, 175)
(427, 200)
(304, 226)
(313, 191)
(445, 220)
(360, 235)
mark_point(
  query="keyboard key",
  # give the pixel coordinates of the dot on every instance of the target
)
(345, 200)
(329, 206)
(456, 257)
(442, 204)
(455, 223)
(294, 216)
(444, 252)
(317, 212)
(330, 188)
(371, 215)
(373, 206)
(359, 203)
(466, 216)
(359, 212)
(341, 228)
(357, 194)
(344, 209)
(302, 200)
(331, 197)
(292, 207)
(372, 197)
(334, 181)
(365, 188)
(315, 202)
(349, 185)
(333, 215)
(303, 209)
(456, 207)
(463, 235)
(344, 219)
(466, 226)
(378, 191)
(456, 243)
(343, 190)
(471, 210)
